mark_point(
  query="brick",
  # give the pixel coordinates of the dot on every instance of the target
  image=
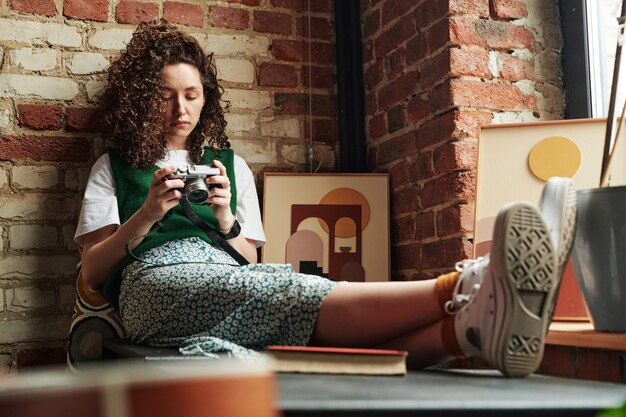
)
(247, 99)
(288, 50)
(284, 128)
(416, 49)
(445, 253)
(229, 17)
(253, 46)
(24, 299)
(434, 131)
(402, 229)
(399, 174)
(394, 9)
(438, 36)
(487, 33)
(320, 27)
(40, 116)
(46, 328)
(417, 109)
(600, 365)
(84, 63)
(548, 65)
(38, 33)
(454, 156)
(455, 186)
(97, 10)
(183, 13)
(515, 69)
(323, 105)
(321, 76)
(373, 75)
(435, 69)
(76, 178)
(290, 103)
(277, 75)
(94, 89)
(371, 23)
(397, 148)
(111, 38)
(469, 122)
(42, 7)
(245, 2)
(394, 36)
(394, 63)
(318, 6)
(36, 265)
(323, 130)
(396, 118)
(455, 220)
(406, 256)
(421, 167)
(398, 90)
(240, 123)
(38, 357)
(255, 151)
(44, 148)
(469, 61)
(424, 226)
(3, 181)
(37, 206)
(34, 59)
(371, 103)
(271, 22)
(67, 297)
(129, 11)
(34, 86)
(35, 176)
(430, 12)
(486, 95)
(83, 119)
(470, 7)
(508, 9)
(292, 153)
(377, 126)
(235, 70)
(5, 118)
(558, 361)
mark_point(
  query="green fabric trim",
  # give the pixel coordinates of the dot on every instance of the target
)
(132, 186)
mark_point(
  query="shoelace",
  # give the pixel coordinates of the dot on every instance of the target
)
(460, 300)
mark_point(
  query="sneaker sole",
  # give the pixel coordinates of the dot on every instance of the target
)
(524, 278)
(558, 205)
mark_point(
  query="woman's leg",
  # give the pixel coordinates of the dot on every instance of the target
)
(367, 314)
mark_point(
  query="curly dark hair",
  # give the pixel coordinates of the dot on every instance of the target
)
(132, 103)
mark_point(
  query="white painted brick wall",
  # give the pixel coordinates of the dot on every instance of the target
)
(230, 45)
(235, 70)
(5, 118)
(46, 328)
(94, 88)
(38, 206)
(48, 88)
(240, 123)
(24, 298)
(34, 59)
(247, 99)
(3, 178)
(255, 151)
(32, 265)
(111, 38)
(68, 236)
(38, 33)
(87, 63)
(31, 236)
(35, 176)
(293, 153)
(76, 178)
(67, 297)
(284, 128)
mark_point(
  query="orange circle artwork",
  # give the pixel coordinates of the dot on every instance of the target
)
(554, 156)
(346, 227)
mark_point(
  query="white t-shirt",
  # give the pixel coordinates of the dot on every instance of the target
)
(99, 206)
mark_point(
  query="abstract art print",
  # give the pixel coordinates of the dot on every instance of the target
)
(332, 225)
(515, 161)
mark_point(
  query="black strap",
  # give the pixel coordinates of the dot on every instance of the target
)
(215, 237)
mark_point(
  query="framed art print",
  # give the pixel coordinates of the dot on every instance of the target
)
(332, 225)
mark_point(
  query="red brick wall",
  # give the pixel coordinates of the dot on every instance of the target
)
(434, 71)
(53, 60)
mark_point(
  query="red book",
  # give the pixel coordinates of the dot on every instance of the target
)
(332, 360)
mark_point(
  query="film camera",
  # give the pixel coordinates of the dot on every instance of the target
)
(196, 190)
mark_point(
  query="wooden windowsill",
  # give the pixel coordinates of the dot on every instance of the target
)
(582, 334)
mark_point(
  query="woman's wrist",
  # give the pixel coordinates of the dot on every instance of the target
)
(229, 226)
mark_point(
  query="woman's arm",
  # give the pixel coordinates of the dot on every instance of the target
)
(104, 248)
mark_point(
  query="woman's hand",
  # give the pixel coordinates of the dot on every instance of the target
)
(163, 195)
(219, 197)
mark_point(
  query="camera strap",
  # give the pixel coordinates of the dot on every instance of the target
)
(219, 240)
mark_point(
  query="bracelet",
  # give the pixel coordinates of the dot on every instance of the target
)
(233, 231)
(225, 231)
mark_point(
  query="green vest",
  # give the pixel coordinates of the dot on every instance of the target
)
(131, 188)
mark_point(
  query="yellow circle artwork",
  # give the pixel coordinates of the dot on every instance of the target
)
(555, 156)
(345, 227)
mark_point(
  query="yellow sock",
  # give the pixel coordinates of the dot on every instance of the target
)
(444, 287)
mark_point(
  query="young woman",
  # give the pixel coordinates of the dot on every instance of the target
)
(162, 110)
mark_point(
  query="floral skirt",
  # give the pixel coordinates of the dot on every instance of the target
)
(194, 296)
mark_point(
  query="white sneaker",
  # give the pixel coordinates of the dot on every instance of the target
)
(558, 205)
(473, 272)
(505, 321)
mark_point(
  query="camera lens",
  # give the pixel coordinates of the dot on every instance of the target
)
(196, 191)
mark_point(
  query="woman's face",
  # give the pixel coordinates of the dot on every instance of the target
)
(185, 99)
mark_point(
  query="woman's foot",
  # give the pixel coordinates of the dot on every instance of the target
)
(505, 320)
